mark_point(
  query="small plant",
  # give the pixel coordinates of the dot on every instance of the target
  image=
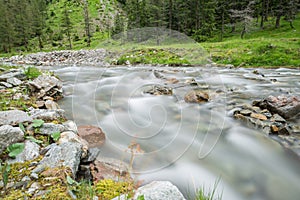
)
(4, 169)
(201, 194)
(32, 72)
(15, 149)
(108, 189)
(55, 136)
(134, 148)
(37, 123)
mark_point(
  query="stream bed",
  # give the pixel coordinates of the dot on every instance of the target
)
(191, 145)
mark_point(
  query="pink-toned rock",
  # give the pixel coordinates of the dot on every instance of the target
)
(258, 116)
(109, 168)
(92, 134)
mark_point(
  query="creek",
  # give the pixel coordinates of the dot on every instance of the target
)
(191, 145)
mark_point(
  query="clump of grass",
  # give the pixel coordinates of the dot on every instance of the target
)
(152, 56)
(32, 72)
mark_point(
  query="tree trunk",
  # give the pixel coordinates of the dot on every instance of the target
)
(277, 25)
(40, 42)
(266, 15)
(170, 14)
(291, 24)
(262, 14)
(243, 32)
(222, 28)
(87, 22)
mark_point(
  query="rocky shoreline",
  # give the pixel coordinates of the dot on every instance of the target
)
(43, 154)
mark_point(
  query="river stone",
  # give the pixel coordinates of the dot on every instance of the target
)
(277, 118)
(92, 134)
(51, 105)
(159, 90)
(10, 135)
(14, 117)
(286, 106)
(258, 116)
(30, 152)
(159, 190)
(109, 168)
(45, 82)
(14, 81)
(67, 154)
(196, 96)
(246, 112)
(47, 115)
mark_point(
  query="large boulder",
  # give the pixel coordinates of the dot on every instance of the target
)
(9, 135)
(14, 117)
(286, 106)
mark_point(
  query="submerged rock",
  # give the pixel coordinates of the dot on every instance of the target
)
(159, 90)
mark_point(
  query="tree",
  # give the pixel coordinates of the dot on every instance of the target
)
(6, 27)
(38, 11)
(67, 24)
(87, 22)
(245, 16)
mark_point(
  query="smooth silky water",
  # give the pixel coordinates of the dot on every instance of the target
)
(191, 145)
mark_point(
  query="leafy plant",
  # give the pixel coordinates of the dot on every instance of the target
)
(32, 139)
(21, 126)
(141, 197)
(15, 149)
(201, 194)
(55, 136)
(37, 123)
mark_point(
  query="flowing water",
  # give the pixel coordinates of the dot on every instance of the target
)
(191, 145)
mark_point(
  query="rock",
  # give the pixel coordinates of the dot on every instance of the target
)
(172, 81)
(278, 118)
(40, 104)
(196, 96)
(30, 152)
(70, 136)
(92, 134)
(17, 73)
(286, 106)
(109, 168)
(67, 154)
(49, 128)
(284, 131)
(274, 129)
(159, 90)
(70, 126)
(46, 85)
(246, 112)
(51, 105)
(258, 116)
(14, 117)
(159, 190)
(14, 81)
(10, 135)
(93, 153)
(47, 115)
(6, 85)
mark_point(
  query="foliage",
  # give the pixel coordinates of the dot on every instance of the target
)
(32, 72)
(37, 123)
(55, 136)
(15, 149)
(4, 169)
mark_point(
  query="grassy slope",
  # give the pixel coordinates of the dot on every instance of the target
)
(261, 48)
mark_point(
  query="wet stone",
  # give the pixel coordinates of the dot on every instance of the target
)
(92, 134)
(246, 112)
(258, 116)
(196, 96)
(278, 118)
(14, 117)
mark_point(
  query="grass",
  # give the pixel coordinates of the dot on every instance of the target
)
(269, 47)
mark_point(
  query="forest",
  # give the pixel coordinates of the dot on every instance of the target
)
(38, 25)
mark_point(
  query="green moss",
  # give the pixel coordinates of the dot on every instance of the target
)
(108, 189)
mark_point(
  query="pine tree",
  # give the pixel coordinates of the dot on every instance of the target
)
(67, 24)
